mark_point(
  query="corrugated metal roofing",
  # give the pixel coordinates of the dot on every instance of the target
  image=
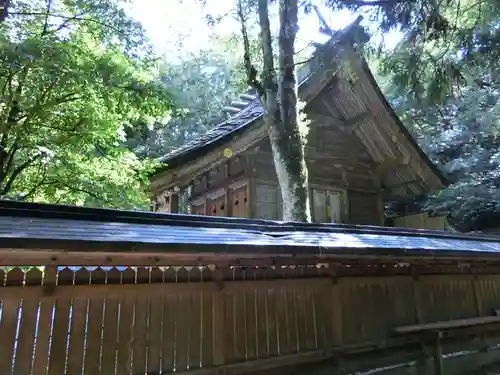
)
(334, 239)
(50, 226)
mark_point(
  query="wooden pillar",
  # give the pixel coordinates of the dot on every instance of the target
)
(479, 306)
(438, 354)
(415, 284)
(336, 308)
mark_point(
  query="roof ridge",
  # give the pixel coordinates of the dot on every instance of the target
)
(57, 227)
(48, 211)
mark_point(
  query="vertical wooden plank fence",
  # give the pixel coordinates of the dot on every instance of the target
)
(146, 320)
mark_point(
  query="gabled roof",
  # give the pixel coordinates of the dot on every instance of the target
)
(251, 112)
(247, 111)
(218, 134)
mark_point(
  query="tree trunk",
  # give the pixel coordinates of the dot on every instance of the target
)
(286, 134)
(287, 139)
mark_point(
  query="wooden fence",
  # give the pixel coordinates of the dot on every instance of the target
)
(152, 319)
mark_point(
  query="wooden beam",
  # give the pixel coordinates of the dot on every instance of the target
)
(401, 184)
(323, 121)
(344, 124)
(29, 257)
(387, 165)
(144, 289)
(447, 325)
(438, 354)
(253, 366)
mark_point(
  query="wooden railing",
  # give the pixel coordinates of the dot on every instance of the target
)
(153, 319)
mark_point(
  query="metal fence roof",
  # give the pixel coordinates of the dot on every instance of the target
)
(27, 225)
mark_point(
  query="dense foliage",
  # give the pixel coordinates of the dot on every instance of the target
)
(443, 81)
(201, 84)
(74, 76)
(461, 136)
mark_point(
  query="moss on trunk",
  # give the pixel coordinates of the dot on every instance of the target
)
(279, 97)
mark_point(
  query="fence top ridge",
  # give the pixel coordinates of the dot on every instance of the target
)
(34, 225)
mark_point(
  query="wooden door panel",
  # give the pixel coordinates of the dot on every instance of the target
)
(217, 206)
(239, 202)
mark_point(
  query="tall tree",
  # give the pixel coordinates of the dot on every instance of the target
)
(73, 77)
(278, 93)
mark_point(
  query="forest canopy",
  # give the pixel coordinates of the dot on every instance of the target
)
(75, 77)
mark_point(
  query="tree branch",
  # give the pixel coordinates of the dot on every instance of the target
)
(249, 67)
(34, 111)
(8, 165)
(46, 23)
(14, 99)
(73, 18)
(63, 99)
(268, 73)
(8, 186)
(361, 3)
(70, 129)
(67, 21)
(89, 193)
(38, 185)
(325, 28)
(12, 113)
(31, 113)
(7, 82)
